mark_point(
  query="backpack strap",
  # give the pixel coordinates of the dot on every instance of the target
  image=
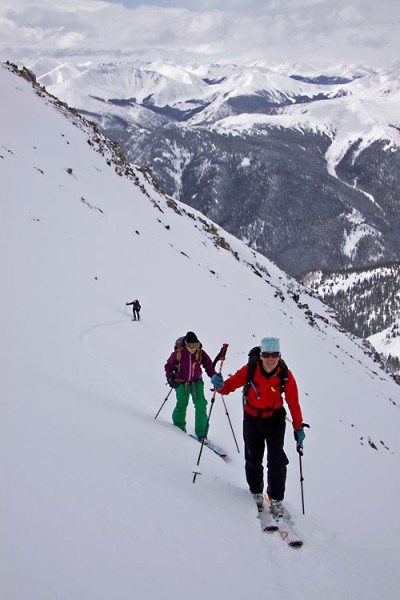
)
(283, 375)
(254, 357)
(178, 353)
(198, 357)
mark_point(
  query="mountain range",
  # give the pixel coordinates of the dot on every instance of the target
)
(300, 164)
(97, 498)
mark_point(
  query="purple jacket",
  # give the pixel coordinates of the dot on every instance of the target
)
(190, 368)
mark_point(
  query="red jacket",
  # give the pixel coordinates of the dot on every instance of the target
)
(269, 392)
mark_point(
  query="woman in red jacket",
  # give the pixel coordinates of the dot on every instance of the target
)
(264, 421)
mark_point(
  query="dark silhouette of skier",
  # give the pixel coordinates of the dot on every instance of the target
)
(135, 308)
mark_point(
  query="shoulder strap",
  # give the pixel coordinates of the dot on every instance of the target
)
(254, 357)
(198, 357)
(178, 352)
(283, 375)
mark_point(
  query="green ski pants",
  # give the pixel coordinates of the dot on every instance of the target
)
(196, 390)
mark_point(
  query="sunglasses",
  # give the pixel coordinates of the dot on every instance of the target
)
(192, 346)
(270, 354)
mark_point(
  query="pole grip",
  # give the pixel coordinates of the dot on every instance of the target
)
(221, 354)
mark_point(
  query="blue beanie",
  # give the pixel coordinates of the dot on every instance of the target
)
(270, 344)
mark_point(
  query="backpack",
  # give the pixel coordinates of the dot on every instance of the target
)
(179, 344)
(254, 356)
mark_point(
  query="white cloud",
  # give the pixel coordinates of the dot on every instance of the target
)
(290, 30)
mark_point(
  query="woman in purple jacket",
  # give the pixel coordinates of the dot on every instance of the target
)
(184, 373)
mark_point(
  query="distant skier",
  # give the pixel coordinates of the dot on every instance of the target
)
(135, 308)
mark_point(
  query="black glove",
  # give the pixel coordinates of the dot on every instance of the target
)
(173, 382)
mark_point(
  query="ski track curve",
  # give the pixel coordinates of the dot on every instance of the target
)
(106, 363)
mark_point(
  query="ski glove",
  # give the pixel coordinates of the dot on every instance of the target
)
(218, 381)
(299, 436)
(173, 382)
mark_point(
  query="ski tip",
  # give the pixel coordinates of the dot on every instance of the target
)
(270, 528)
(295, 544)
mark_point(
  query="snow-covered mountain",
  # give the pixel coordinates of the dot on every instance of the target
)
(301, 164)
(97, 496)
(367, 302)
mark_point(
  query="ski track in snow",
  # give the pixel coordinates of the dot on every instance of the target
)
(86, 337)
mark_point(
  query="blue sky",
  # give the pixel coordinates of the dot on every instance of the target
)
(351, 32)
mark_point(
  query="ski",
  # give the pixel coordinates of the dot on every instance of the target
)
(265, 517)
(288, 534)
(266, 520)
(285, 527)
(213, 447)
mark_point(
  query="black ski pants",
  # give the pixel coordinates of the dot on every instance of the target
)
(270, 432)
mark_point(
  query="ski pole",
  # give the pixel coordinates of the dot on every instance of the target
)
(161, 407)
(221, 357)
(230, 423)
(300, 452)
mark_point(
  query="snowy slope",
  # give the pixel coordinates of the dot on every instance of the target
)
(97, 497)
(388, 341)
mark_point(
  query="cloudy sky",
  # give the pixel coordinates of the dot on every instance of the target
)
(332, 31)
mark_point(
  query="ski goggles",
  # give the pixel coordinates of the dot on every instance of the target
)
(193, 346)
(270, 354)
